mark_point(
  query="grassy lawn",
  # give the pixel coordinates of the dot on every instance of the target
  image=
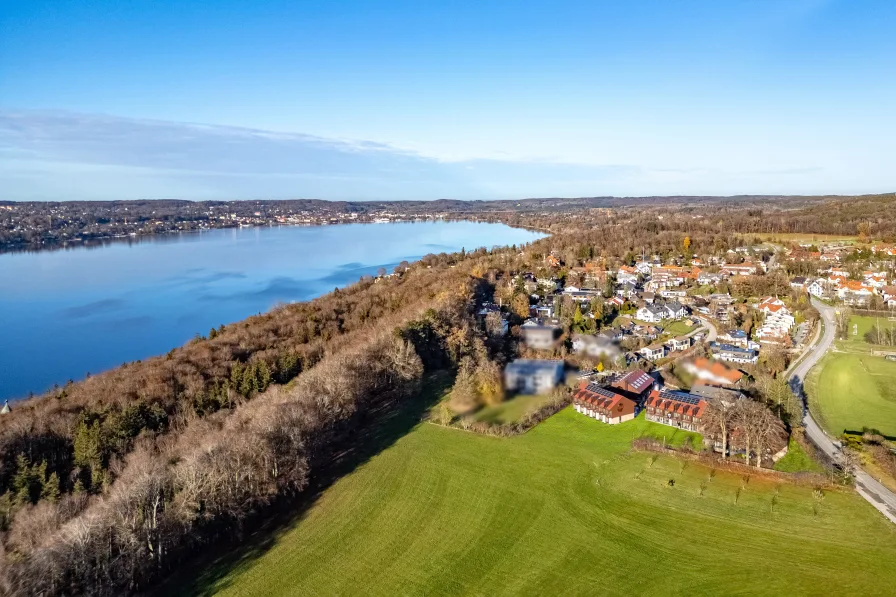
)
(513, 409)
(678, 328)
(565, 509)
(850, 389)
(797, 461)
(673, 328)
(858, 326)
(853, 390)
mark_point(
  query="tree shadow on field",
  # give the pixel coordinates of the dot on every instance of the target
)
(379, 429)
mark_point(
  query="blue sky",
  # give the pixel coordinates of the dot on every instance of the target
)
(420, 100)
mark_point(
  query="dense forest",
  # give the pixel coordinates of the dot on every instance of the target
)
(108, 484)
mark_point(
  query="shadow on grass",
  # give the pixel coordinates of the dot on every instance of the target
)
(381, 428)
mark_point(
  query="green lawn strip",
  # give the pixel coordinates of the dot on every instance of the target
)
(566, 508)
(851, 391)
(797, 461)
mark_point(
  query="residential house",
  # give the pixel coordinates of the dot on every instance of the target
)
(540, 334)
(734, 354)
(676, 409)
(604, 404)
(816, 288)
(643, 267)
(798, 283)
(652, 313)
(654, 352)
(713, 372)
(742, 269)
(612, 333)
(726, 396)
(552, 261)
(838, 272)
(875, 279)
(720, 299)
(626, 274)
(889, 295)
(853, 292)
(595, 346)
(675, 310)
(679, 343)
(627, 290)
(771, 304)
(488, 308)
(548, 284)
(581, 295)
(544, 311)
(670, 293)
(775, 329)
(635, 385)
(708, 278)
(533, 376)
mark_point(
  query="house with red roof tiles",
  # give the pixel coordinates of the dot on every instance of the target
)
(604, 404)
(713, 372)
(676, 409)
(634, 384)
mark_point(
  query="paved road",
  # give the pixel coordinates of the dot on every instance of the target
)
(713, 332)
(876, 494)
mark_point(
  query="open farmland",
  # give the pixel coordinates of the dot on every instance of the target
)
(564, 509)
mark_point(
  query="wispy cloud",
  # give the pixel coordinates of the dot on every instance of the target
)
(60, 155)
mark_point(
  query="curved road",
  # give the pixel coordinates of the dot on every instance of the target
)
(876, 494)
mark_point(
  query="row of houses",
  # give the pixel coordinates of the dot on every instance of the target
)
(623, 399)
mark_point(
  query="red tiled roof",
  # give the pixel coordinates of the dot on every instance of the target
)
(718, 369)
(687, 404)
(600, 398)
(636, 381)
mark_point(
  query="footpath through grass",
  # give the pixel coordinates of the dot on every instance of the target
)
(563, 509)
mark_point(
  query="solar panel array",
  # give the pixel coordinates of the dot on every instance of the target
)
(600, 391)
(681, 397)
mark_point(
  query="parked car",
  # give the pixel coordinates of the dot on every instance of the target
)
(891, 357)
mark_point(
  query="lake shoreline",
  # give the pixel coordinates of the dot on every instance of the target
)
(90, 311)
(138, 238)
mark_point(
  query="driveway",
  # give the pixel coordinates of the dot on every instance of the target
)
(869, 488)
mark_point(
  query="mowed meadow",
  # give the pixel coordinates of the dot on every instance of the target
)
(566, 508)
(851, 388)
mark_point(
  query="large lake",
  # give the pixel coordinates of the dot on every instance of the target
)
(69, 312)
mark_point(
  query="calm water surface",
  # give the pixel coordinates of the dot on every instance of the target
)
(66, 313)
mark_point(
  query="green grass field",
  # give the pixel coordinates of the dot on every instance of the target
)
(797, 461)
(852, 391)
(850, 388)
(859, 325)
(513, 409)
(565, 509)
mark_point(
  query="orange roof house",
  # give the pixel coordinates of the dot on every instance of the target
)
(604, 404)
(676, 409)
(713, 372)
